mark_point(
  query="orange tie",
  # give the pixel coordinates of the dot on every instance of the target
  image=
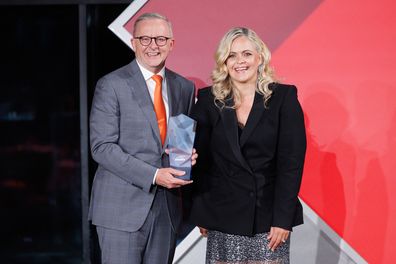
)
(159, 107)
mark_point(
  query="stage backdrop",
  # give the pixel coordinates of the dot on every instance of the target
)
(341, 55)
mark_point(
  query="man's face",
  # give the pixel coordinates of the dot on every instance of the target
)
(152, 57)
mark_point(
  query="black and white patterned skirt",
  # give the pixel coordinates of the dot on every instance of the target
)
(225, 248)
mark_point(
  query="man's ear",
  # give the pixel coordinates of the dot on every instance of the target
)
(171, 44)
(133, 44)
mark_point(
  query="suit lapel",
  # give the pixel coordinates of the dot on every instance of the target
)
(142, 96)
(229, 118)
(254, 118)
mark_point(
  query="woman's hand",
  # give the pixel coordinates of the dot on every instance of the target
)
(277, 235)
(203, 231)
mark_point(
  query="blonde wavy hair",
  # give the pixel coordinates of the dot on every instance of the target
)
(222, 84)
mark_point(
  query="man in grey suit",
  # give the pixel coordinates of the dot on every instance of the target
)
(135, 201)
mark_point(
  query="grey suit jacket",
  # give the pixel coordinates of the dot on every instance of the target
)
(126, 144)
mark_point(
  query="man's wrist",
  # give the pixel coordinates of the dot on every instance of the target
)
(155, 176)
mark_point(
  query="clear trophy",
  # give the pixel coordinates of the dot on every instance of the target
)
(181, 134)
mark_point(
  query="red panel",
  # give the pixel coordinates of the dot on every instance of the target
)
(344, 61)
(199, 25)
(342, 57)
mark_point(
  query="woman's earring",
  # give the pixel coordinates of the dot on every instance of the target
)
(261, 68)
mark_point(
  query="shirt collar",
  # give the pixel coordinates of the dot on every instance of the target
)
(148, 74)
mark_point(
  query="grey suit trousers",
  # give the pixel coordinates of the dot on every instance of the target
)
(153, 243)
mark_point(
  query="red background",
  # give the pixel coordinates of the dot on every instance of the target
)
(341, 55)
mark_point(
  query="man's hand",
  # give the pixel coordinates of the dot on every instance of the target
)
(194, 157)
(167, 177)
(277, 235)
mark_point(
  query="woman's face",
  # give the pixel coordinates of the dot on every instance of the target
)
(243, 61)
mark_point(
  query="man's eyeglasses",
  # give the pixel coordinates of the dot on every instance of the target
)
(146, 40)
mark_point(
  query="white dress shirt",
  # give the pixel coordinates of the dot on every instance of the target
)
(151, 86)
(147, 75)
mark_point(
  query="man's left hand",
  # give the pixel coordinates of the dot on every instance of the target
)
(194, 157)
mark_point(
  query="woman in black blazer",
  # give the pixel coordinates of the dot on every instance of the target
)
(251, 144)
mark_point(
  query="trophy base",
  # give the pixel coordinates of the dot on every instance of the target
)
(186, 176)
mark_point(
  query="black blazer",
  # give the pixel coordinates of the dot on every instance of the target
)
(244, 185)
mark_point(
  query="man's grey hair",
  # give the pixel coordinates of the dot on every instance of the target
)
(147, 16)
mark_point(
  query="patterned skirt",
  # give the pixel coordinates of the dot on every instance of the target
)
(235, 249)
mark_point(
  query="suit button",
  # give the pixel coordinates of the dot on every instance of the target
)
(251, 194)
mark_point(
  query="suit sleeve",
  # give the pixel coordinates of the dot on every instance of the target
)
(290, 160)
(104, 136)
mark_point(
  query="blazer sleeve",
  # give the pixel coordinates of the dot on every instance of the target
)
(105, 131)
(202, 114)
(290, 160)
(191, 100)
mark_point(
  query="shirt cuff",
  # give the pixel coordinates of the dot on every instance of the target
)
(155, 176)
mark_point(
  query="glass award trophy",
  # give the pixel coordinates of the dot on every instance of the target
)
(181, 134)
